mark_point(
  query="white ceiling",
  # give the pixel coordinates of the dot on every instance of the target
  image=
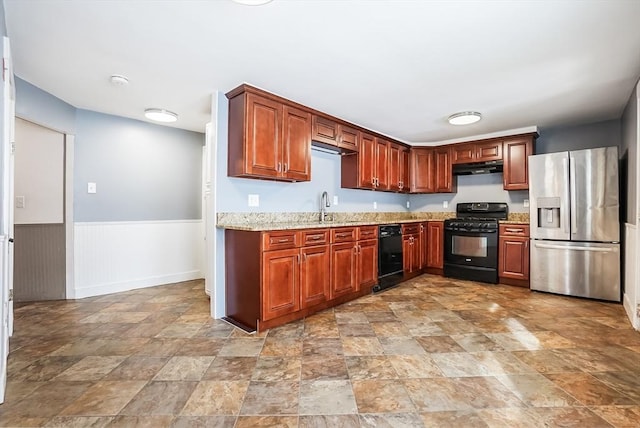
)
(397, 67)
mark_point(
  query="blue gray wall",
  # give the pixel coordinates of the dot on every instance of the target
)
(629, 154)
(584, 136)
(275, 196)
(144, 172)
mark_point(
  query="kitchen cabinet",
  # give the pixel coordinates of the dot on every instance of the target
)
(343, 269)
(405, 171)
(424, 244)
(281, 283)
(444, 182)
(332, 133)
(369, 168)
(517, 149)
(367, 257)
(398, 168)
(489, 150)
(315, 273)
(411, 249)
(513, 254)
(423, 171)
(435, 247)
(354, 260)
(268, 139)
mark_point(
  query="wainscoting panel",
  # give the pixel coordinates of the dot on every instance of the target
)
(631, 299)
(39, 263)
(111, 257)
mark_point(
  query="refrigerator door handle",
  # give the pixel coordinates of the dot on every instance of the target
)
(565, 215)
(562, 247)
(573, 195)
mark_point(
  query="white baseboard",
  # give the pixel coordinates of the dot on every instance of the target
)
(631, 299)
(111, 257)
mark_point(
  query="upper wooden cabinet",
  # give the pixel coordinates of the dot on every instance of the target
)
(444, 182)
(370, 167)
(268, 138)
(476, 152)
(517, 149)
(332, 133)
(422, 171)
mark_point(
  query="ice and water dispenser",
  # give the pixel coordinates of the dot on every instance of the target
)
(548, 212)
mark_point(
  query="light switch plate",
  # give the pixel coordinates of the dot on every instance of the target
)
(526, 203)
(19, 201)
(253, 200)
(91, 188)
(335, 200)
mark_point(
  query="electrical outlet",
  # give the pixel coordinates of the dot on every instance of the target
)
(19, 201)
(526, 203)
(375, 205)
(445, 204)
(253, 200)
(335, 200)
(408, 204)
(91, 188)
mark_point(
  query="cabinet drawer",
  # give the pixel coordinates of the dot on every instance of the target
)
(514, 230)
(315, 237)
(411, 229)
(343, 234)
(280, 240)
(367, 232)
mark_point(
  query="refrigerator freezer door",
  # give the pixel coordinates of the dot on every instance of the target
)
(594, 195)
(576, 269)
(549, 196)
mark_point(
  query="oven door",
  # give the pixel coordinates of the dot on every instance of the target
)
(477, 249)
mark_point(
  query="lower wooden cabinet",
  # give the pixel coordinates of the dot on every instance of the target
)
(281, 282)
(513, 254)
(315, 277)
(367, 263)
(343, 269)
(435, 247)
(411, 249)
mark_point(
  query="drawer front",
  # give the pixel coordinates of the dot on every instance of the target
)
(315, 237)
(343, 234)
(411, 229)
(514, 230)
(367, 232)
(280, 240)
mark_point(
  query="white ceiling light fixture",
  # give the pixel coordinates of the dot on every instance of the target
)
(464, 118)
(119, 80)
(252, 2)
(160, 115)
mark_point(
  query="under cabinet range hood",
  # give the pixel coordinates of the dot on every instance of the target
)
(477, 168)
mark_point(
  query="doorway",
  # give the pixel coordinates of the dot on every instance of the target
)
(40, 256)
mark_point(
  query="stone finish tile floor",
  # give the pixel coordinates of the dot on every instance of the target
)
(432, 352)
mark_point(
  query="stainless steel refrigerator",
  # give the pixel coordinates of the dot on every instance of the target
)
(575, 230)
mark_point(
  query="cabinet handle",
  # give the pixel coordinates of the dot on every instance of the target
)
(342, 235)
(421, 228)
(298, 257)
(315, 238)
(282, 241)
(285, 167)
(304, 257)
(514, 230)
(279, 168)
(355, 249)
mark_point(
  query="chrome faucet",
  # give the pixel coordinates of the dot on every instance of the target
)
(324, 204)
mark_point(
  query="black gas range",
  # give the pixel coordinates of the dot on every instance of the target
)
(471, 241)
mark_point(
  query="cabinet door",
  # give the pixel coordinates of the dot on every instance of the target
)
(296, 144)
(367, 263)
(314, 275)
(343, 269)
(424, 245)
(324, 130)
(444, 178)
(406, 253)
(367, 161)
(488, 151)
(435, 250)
(348, 138)
(404, 171)
(394, 167)
(516, 172)
(264, 133)
(514, 258)
(382, 164)
(280, 283)
(462, 153)
(423, 171)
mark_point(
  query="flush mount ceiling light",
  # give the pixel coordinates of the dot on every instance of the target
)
(464, 118)
(252, 2)
(160, 115)
(119, 80)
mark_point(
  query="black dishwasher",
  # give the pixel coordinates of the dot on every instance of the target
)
(390, 268)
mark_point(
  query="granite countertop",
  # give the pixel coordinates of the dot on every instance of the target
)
(260, 222)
